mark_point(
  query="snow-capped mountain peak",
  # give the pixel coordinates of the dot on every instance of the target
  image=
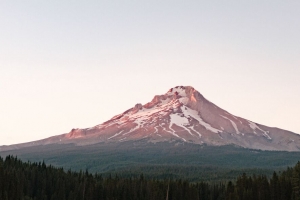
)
(182, 114)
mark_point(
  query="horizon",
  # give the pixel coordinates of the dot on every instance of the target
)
(65, 66)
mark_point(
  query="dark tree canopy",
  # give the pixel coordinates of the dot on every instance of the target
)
(20, 180)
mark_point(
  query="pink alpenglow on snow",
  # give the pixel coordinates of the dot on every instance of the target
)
(181, 114)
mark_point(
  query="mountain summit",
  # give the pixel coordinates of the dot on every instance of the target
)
(182, 114)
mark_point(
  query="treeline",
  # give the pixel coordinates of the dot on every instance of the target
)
(191, 173)
(162, 160)
(19, 180)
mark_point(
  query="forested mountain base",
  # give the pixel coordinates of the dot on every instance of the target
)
(162, 160)
(19, 180)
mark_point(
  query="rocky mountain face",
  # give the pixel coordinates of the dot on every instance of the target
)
(182, 114)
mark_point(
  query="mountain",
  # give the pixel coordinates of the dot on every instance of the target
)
(184, 115)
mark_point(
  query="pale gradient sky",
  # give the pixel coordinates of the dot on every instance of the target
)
(76, 64)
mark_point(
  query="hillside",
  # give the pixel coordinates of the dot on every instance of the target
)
(179, 160)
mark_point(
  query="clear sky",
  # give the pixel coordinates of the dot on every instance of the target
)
(75, 64)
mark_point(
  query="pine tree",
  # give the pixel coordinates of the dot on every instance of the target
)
(296, 181)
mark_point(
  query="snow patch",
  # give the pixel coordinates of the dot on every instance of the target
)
(156, 130)
(233, 124)
(184, 100)
(179, 90)
(196, 131)
(176, 119)
(180, 121)
(173, 132)
(254, 126)
(194, 114)
(115, 135)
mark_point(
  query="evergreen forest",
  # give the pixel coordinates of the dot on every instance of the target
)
(163, 160)
(26, 180)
